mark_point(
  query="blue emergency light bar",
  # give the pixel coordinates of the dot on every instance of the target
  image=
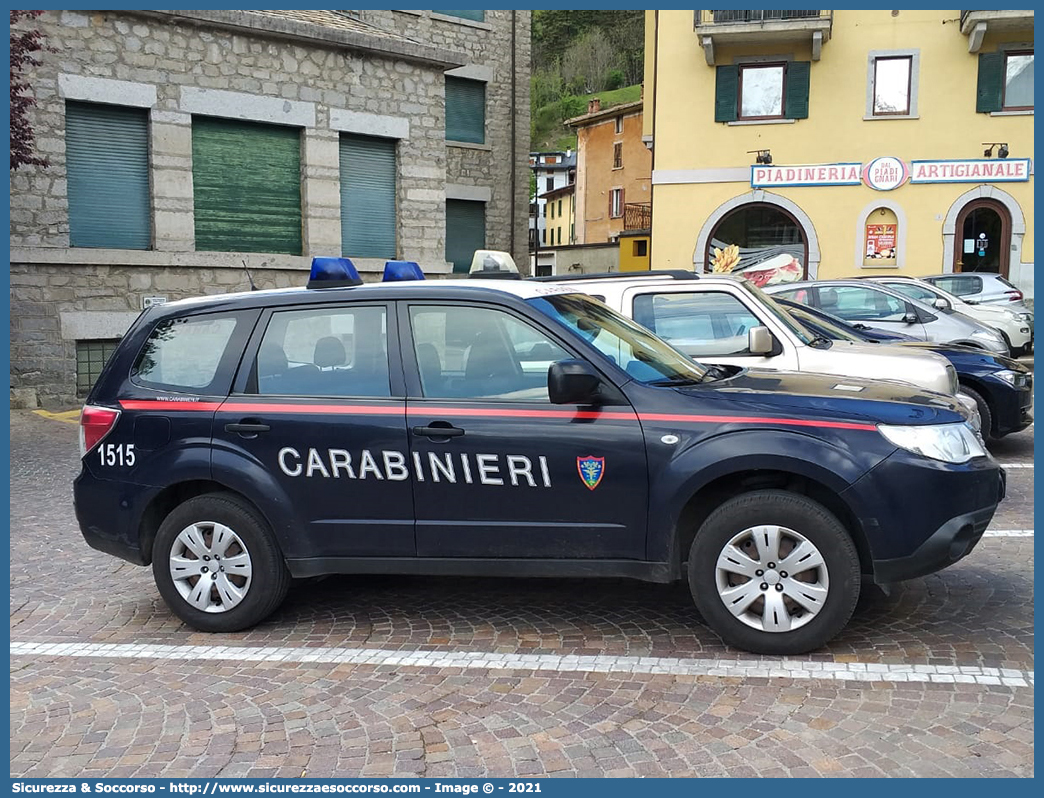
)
(333, 273)
(399, 270)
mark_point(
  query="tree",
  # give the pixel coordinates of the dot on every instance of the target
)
(24, 43)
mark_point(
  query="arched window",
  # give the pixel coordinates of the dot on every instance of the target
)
(761, 242)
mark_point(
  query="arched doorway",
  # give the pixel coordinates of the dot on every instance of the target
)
(761, 241)
(983, 233)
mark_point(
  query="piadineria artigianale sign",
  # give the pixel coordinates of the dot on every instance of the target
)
(888, 173)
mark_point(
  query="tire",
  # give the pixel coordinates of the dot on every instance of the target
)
(984, 412)
(797, 520)
(1007, 341)
(218, 525)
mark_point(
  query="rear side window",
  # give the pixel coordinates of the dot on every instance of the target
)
(187, 353)
(325, 352)
(711, 323)
(961, 285)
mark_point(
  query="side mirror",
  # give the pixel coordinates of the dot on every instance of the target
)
(910, 318)
(940, 304)
(572, 382)
(759, 340)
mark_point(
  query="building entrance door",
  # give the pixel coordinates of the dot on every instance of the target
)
(984, 238)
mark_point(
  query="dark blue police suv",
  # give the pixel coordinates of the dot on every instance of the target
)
(509, 428)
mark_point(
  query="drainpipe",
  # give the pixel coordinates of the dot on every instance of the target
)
(514, 124)
(656, 86)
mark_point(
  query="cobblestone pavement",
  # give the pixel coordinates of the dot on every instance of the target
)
(427, 699)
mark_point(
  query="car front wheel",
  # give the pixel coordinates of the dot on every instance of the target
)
(217, 565)
(774, 572)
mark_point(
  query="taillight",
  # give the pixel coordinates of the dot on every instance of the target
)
(1014, 296)
(95, 424)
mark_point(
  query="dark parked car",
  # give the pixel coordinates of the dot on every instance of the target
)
(1000, 386)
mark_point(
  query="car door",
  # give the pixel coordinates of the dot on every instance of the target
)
(709, 326)
(319, 405)
(499, 471)
(868, 305)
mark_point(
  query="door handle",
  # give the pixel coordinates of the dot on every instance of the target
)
(447, 431)
(247, 429)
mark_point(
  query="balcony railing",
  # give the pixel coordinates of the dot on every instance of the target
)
(755, 15)
(755, 27)
(637, 216)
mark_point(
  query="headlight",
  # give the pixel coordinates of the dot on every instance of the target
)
(1015, 379)
(951, 443)
(1024, 316)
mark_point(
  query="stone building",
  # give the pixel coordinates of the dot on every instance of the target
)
(187, 148)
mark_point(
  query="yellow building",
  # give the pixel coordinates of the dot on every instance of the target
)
(823, 144)
(559, 216)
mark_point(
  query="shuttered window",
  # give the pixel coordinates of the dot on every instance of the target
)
(247, 184)
(1005, 81)
(465, 232)
(107, 163)
(368, 221)
(769, 94)
(465, 110)
(474, 16)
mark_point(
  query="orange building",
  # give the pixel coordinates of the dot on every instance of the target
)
(613, 172)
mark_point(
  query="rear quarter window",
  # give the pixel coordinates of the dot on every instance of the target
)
(196, 354)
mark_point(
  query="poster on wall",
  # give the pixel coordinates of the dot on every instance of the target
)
(880, 241)
(760, 265)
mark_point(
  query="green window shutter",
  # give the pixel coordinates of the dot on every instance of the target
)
(726, 93)
(465, 232)
(990, 90)
(795, 106)
(465, 110)
(368, 222)
(107, 164)
(246, 181)
(474, 16)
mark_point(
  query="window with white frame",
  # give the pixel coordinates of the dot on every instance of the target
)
(616, 203)
(892, 84)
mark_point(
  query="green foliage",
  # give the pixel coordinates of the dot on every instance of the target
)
(582, 54)
(614, 79)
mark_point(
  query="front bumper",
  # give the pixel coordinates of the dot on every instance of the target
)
(952, 541)
(1012, 407)
(919, 515)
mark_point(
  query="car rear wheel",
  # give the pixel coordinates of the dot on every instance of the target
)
(774, 572)
(217, 565)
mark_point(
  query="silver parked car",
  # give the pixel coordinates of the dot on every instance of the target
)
(883, 307)
(982, 287)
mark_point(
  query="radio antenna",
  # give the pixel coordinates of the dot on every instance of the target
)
(249, 278)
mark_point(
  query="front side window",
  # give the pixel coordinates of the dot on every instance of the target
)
(960, 285)
(891, 85)
(481, 353)
(630, 346)
(185, 353)
(853, 302)
(325, 352)
(915, 292)
(761, 91)
(704, 324)
(1018, 80)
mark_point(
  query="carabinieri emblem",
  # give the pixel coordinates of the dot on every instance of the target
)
(591, 469)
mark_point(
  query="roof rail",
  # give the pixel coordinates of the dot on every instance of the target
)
(675, 274)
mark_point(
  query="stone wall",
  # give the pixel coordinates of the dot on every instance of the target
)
(180, 64)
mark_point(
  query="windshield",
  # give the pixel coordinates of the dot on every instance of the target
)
(641, 354)
(780, 312)
(828, 328)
